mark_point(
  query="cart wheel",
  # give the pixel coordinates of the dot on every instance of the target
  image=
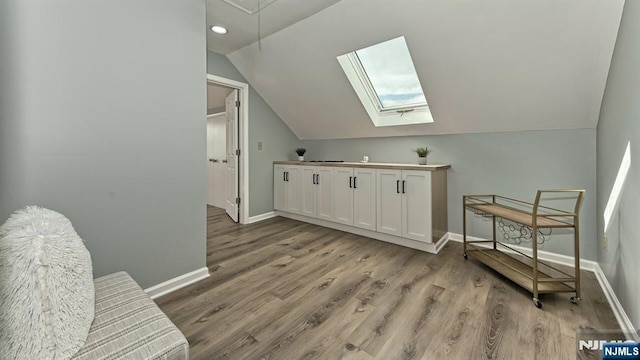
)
(537, 303)
(466, 256)
(575, 300)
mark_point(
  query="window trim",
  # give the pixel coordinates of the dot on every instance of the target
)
(390, 116)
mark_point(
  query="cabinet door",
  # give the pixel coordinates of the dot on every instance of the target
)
(278, 187)
(308, 191)
(389, 202)
(364, 198)
(292, 189)
(324, 193)
(343, 195)
(416, 205)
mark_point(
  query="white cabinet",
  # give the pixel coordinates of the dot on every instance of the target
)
(389, 201)
(364, 198)
(416, 205)
(316, 192)
(308, 191)
(354, 197)
(292, 198)
(343, 195)
(287, 188)
(400, 203)
(279, 180)
(404, 203)
(324, 193)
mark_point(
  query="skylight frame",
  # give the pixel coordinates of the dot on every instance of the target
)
(380, 115)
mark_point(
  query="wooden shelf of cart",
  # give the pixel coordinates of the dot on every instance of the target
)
(534, 216)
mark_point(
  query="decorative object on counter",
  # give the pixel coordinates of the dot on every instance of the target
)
(422, 154)
(365, 159)
(300, 152)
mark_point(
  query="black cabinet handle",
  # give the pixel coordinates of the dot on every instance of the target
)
(350, 182)
(317, 179)
(355, 182)
(286, 176)
(403, 187)
(398, 186)
(313, 179)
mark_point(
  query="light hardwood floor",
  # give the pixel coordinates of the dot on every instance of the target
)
(283, 289)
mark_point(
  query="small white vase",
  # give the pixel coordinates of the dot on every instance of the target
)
(422, 160)
(300, 158)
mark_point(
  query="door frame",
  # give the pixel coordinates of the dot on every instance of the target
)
(243, 131)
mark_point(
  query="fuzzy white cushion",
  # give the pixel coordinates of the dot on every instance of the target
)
(47, 295)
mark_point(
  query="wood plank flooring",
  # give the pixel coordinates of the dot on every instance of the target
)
(283, 289)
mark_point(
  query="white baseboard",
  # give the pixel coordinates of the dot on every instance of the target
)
(176, 283)
(623, 320)
(265, 216)
(621, 316)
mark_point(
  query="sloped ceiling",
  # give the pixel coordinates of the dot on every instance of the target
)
(485, 65)
(243, 27)
(217, 95)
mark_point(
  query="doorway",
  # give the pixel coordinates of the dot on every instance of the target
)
(227, 165)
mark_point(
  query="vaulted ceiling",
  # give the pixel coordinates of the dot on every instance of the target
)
(485, 65)
(216, 95)
(241, 18)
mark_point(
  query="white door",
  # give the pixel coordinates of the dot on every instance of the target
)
(389, 201)
(416, 205)
(324, 193)
(292, 189)
(279, 182)
(216, 152)
(343, 195)
(231, 204)
(364, 198)
(308, 191)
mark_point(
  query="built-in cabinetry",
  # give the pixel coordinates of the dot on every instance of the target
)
(403, 204)
(287, 188)
(316, 192)
(354, 197)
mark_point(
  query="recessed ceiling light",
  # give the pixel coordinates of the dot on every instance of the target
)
(219, 29)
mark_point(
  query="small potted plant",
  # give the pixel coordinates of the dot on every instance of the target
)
(422, 155)
(300, 152)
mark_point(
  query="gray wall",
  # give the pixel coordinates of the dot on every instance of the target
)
(103, 119)
(619, 125)
(513, 164)
(265, 125)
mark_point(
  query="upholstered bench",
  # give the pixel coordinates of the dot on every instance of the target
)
(51, 307)
(129, 325)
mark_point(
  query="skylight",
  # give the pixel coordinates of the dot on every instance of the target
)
(386, 82)
(391, 73)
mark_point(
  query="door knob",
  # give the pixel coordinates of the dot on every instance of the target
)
(213, 160)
